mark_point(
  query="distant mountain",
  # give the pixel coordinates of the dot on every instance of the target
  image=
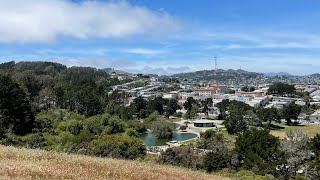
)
(316, 75)
(273, 74)
(220, 76)
(111, 70)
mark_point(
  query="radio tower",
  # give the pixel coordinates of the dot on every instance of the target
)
(216, 63)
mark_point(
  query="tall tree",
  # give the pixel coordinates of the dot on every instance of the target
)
(15, 110)
(139, 106)
(172, 107)
(235, 122)
(188, 104)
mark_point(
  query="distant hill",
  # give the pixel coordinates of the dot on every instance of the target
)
(19, 163)
(273, 74)
(111, 70)
(316, 75)
(219, 75)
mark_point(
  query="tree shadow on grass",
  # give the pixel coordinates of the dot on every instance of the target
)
(275, 127)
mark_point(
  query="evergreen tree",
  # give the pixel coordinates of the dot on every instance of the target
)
(15, 110)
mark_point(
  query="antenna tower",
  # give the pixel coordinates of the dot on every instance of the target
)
(215, 62)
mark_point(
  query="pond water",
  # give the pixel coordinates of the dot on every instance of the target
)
(177, 125)
(150, 139)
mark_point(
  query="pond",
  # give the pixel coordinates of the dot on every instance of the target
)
(150, 139)
(177, 125)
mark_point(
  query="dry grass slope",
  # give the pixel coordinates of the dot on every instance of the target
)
(18, 163)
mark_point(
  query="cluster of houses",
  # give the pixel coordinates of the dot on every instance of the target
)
(217, 92)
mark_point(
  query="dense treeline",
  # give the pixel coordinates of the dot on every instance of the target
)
(47, 105)
(282, 89)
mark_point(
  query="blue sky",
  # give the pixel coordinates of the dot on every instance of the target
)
(165, 36)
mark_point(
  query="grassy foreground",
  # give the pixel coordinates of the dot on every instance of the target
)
(19, 163)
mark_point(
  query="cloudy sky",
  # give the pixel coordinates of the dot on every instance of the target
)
(164, 36)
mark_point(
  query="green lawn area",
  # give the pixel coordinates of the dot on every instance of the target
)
(228, 139)
(191, 141)
(308, 129)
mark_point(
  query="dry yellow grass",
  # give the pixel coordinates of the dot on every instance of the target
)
(18, 163)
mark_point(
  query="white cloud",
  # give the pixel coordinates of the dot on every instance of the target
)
(77, 51)
(159, 70)
(145, 51)
(97, 63)
(258, 39)
(34, 21)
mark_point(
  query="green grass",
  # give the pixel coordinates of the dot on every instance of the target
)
(228, 139)
(190, 141)
(308, 129)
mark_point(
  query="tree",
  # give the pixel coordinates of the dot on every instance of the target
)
(189, 103)
(218, 155)
(192, 113)
(315, 145)
(215, 160)
(205, 105)
(163, 128)
(313, 167)
(252, 119)
(268, 114)
(291, 111)
(223, 105)
(259, 151)
(156, 104)
(172, 107)
(131, 132)
(248, 89)
(245, 89)
(15, 110)
(281, 89)
(139, 105)
(211, 140)
(235, 122)
(88, 103)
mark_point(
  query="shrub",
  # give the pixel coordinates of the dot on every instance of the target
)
(33, 141)
(183, 127)
(131, 132)
(116, 146)
(185, 156)
(215, 160)
(259, 151)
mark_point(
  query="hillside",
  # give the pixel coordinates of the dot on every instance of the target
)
(220, 75)
(273, 74)
(111, 70)
(38, 164)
